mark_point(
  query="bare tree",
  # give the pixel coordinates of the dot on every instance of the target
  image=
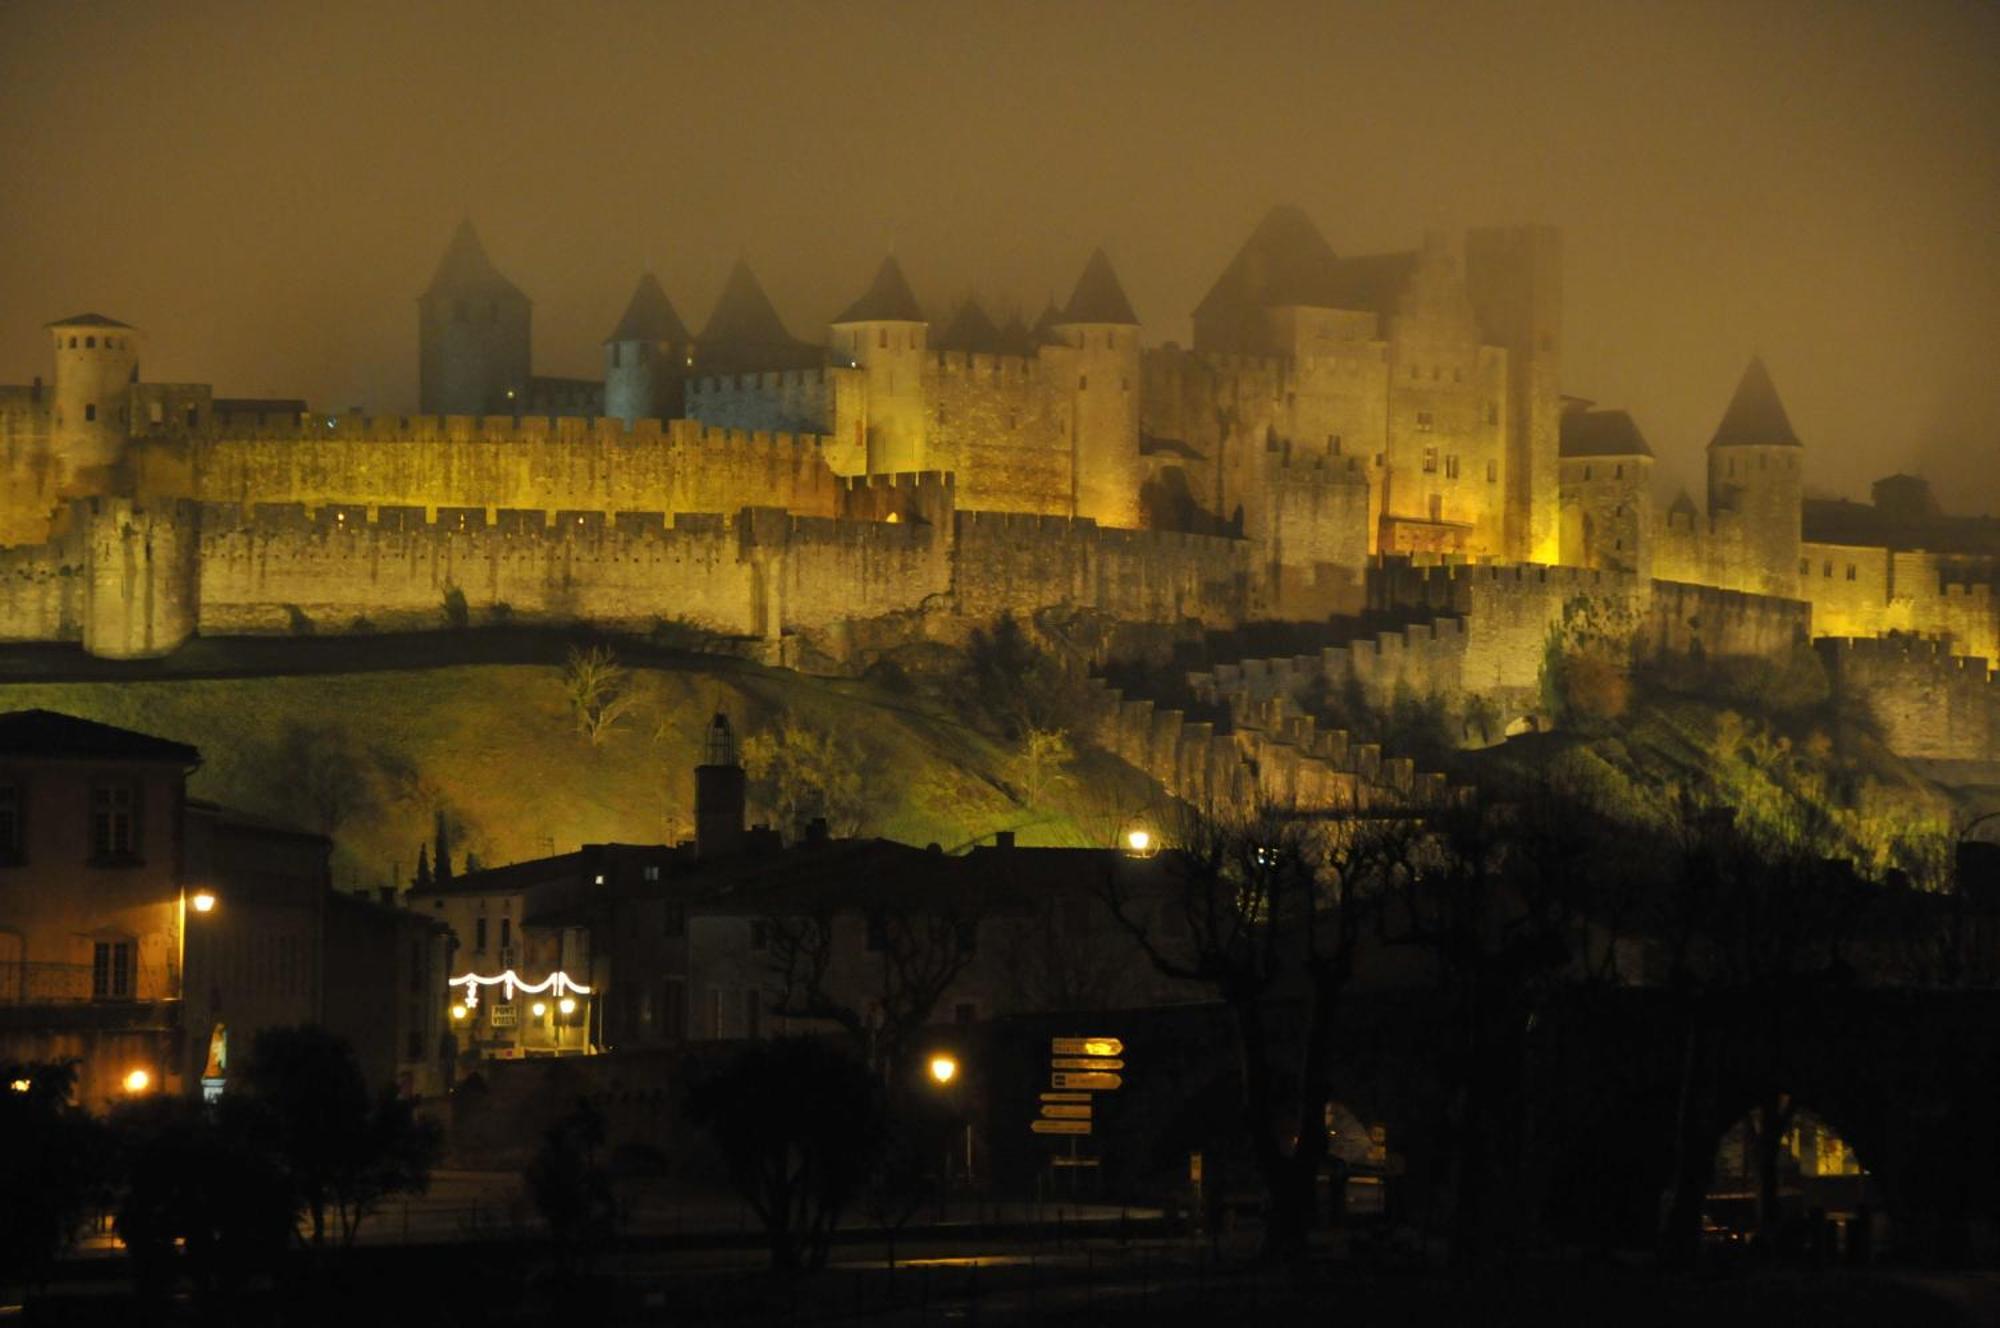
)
(914, 956)
(1258, 909)
(599, 691)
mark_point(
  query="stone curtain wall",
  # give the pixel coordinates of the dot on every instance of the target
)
(1927, 702)
(436, 462)
(763, 573)
(42, 592)
(1012, 563)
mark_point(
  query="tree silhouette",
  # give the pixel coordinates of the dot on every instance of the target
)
(798, 1125)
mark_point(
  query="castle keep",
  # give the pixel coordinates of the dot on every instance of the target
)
(1339, 426)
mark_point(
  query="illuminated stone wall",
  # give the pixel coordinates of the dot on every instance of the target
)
(1926, 701)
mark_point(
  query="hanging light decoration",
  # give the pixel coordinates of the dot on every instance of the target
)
(509, 982)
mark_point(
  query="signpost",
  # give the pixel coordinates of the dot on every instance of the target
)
(1079, 1069)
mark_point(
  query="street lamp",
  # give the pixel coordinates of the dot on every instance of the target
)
(138, 1081)
(944, 1072)
(202, 901)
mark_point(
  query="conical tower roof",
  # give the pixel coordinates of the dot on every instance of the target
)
(1098, 298)
(1015, 338)
(744, 315)
(465, 268)
(970, 329)
(649, 316)
(1755, 418)
(87, 320)
(888, 299)
(1044, 330)
(1285, 261)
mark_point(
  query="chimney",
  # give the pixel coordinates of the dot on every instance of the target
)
(386, 894)
(718, 794)
(1003, 839)
(816, 830)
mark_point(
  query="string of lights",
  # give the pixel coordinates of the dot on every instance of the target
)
(559, 983)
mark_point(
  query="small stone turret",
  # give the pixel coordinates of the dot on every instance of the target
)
(1756, 489)
(647, 357)
(885, 334)
(1097, 355)
(97, 362)
(718, 794)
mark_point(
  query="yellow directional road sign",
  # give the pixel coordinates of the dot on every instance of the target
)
(1086, 1046)
(1090, 1079)
(1060, 1126)
(1085, 1063)
(1066, 1111)
(1065, 1097)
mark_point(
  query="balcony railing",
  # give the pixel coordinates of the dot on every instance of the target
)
(26, 983)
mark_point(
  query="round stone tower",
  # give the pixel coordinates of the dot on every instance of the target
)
(885, 334)
(647, 357)
(1100, 388)
(1756, 480)
(97, 361)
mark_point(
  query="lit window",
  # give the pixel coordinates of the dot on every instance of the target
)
(1430, 460)
(1451, 467)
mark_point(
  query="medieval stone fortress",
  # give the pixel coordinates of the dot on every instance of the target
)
(1379, 441)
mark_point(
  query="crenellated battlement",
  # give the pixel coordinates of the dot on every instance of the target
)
(983, 367)
(773, 380)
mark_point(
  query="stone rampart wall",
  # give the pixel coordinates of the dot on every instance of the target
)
(42, 592)
(278, 568)
(436, 462)
(1927, 701)
(1272, 755)
(1008, 562)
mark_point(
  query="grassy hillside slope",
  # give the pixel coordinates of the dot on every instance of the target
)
(370, 756)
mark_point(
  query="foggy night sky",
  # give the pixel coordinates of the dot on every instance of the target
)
(265, 189)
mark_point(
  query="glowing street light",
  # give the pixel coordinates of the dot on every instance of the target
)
(567, 1005)
(458, 1012)
(944, 1068)
(138, 1081)
(21, 1085)
(539, 1008)
(202, 901)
